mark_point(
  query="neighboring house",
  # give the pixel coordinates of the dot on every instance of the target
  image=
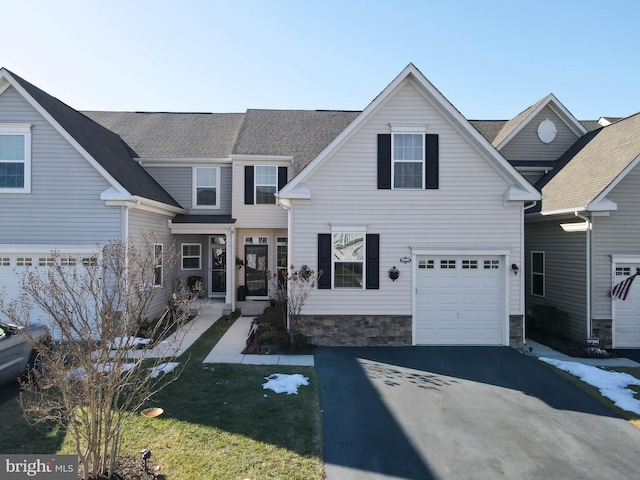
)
(585, 236)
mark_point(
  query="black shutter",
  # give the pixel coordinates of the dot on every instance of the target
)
(384, 161)
(373, 262)
(431, 164)
(324, 260)
(248, 185)
(282, 177)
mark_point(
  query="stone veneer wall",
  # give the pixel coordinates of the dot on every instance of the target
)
(602, 330)
(515, 332)
(357, 330)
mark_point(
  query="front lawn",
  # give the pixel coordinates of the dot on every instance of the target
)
(218, 422)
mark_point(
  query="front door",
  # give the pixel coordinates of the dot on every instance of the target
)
(256, 269)
(218, 265)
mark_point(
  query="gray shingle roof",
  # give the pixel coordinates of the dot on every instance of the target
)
(103, 145)
(302, 134)
(174, 135)
(590, 165)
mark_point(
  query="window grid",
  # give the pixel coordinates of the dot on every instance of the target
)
(620, 271)
(408, 160)
(46, 262)
(24, 262)
(348, 260)
(469, 264)
(15, 161)
(89, 262)
(68, 261)
(447, 264)
(491, 264)
(5, 262)
(266, 184)
(191, 256)
(206, 186)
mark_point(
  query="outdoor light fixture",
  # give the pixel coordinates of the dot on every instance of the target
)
(394, 273)
(515, 268)
(405, 259)
(146, 455)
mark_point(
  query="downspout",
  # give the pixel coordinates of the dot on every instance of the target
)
(522, 292)
(588, 232)
(231, 259)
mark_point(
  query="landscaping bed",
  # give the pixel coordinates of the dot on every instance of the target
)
(269, 336)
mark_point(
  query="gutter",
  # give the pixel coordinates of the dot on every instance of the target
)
(588, 252)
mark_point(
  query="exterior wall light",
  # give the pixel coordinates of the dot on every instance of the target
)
(394, 273)
(515, 268)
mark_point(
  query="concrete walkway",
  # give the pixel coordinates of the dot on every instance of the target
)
(229, 349)
(538, 350)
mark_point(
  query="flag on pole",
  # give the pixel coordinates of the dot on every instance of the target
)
(621, 290)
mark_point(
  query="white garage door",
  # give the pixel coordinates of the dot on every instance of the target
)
(626, 323)
(15, 262)
(460, 300)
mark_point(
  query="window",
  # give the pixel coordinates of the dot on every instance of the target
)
(5, 262)
(447, 264)
(157, 256)
(24, 262)
(491, 264)
(68, 261)
(206, 182)
(348, 260)
(537, 274)
(191, 256)
(408, 160)
(469, 264)
(15, 158)
(46, 262)
(266, 185)
(281, 259)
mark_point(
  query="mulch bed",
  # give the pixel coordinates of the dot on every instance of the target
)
(130, 468)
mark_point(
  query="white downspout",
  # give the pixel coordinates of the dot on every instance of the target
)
(231, 259)
(588, 232)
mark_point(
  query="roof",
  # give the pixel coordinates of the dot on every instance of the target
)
(104, 146)
(302, 134)
(223, 219)
(593, 164)
(174, 135)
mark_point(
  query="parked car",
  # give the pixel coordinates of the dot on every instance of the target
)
(17, 353)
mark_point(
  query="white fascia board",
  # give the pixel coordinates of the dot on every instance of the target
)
(113, 197)
(572, 123)
(625, 258)
(298, 192)
(258, 159)
(181, 162)
(516, 193)
(447, 251)
(47, 116)
(4, 84)
(199, 228)
(32, 249)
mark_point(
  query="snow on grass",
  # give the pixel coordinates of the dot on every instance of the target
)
(282, 383)
(612, 385)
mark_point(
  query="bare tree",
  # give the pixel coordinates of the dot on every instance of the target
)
(293, 289)
(94, 378)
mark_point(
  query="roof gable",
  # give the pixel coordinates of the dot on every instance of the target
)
(592, 167)
(516, 124)
(521, 189)
(101, 147)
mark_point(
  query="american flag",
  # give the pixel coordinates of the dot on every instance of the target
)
(621, 290)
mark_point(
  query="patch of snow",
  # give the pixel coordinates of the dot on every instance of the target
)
(282, 383)
(129, 342)
(163, 368)
(612, 385)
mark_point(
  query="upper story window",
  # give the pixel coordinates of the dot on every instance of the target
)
(408, 160)
(266, 184)
(206, 187)
(15, 158)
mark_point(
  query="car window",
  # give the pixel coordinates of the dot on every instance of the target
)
(3, 332)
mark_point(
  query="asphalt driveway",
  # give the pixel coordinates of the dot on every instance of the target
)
(462, 413)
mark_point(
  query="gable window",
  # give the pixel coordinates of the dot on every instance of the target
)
(537, 274)
(261, 182)
(206, 187)
(191, 256)
(15, 158)
(408, 160)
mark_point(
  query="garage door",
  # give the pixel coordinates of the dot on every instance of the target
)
(626, 323)
(14, 263)
(460, 300)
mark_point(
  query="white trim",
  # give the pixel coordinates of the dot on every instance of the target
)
(250, 159)
(422, 161)
(255, 184)
(66, 249)
(4, 85)
(199, 228)
(563, 114)
(181, 162)
(363, 261)
(601, 197)
(195, 186)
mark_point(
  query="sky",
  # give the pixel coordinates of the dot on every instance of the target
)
(490, 58)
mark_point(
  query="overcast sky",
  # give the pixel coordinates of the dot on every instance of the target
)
(490, 58)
